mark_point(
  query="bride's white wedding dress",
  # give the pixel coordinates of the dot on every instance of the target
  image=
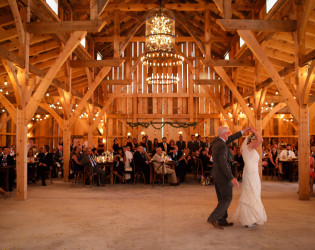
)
(250, 210)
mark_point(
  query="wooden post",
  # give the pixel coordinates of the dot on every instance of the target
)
(303, 138)
(66, 149)
(21, 156)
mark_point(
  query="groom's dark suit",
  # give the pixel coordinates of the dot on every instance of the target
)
(222, 174)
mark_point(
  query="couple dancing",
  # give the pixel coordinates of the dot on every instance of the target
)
(250, 209)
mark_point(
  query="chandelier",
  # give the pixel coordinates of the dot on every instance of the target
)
(160, 44)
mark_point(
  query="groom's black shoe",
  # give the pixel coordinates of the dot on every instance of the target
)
(226, 224)
(215, 224)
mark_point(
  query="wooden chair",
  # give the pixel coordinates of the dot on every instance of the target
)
(88, 173)
(158, 172)
(77, 174)
(274, 172)
(137, 174)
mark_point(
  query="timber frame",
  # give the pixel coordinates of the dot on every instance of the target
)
(93, 90)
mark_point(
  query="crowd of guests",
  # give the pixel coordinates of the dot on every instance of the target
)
(187, 156)
(184, 155)
(277, 152)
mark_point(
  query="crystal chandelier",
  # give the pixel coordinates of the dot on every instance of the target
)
(160, 44)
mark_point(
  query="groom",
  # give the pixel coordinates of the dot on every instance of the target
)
(222, 174)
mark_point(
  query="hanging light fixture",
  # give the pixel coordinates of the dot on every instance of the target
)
(160, 45)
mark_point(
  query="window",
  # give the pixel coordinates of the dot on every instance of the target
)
(53, 4)
(270, 4)
(99, 56)
(241, 42)
(83, 42)
(227, 56)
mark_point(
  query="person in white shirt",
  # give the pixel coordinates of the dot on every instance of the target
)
(286, 153)
(129, 158)
(159, 166)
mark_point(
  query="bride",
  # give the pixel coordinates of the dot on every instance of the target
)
(250, 210)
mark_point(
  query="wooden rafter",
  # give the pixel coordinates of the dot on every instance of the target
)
(222, 73)
(253, 44)
(277, 108)
(257, 25)
(65, 26)
(35, 100)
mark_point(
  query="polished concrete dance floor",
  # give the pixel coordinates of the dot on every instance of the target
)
(72, 216)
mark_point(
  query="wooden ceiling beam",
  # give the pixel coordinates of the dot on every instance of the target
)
(96, 63)
(258, 25)
(110, 39)
(64, 26)
(188, 7)
(227, 63)
(116, 82)
(207, 82)
(257, 50)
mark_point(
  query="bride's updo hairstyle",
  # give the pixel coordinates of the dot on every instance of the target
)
(250, 138)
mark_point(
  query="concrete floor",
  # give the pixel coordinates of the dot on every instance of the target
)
(65, 216)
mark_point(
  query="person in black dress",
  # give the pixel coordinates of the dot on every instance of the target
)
(115, 146)
(119, 164)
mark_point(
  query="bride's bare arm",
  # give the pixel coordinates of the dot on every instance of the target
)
(259, 139)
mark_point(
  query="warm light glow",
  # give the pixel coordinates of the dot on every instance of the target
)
(196, 134)
(281, 116)
(101, 131)
(128, 134)
(277, 93)
(37, 116)
(5, 82)
(104, 140)
(180, 132)
(29, 125)
(142, 133)
(28, 135)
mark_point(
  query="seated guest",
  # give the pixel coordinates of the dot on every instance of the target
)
(161, 167)
(205, 159)
(180, 143)
(194, 158)
(119, 164)
(129, 157)
(88, 161)
(115, 146)
(165, 146)
(45, 162)
(286, 153)
(7, 160)
(76, 159)
(58, 157)
(94, 153)
(180, 163)
(141, 163)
